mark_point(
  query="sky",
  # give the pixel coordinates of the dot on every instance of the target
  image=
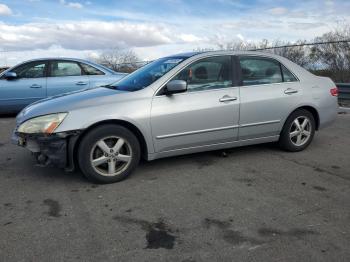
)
(84, 28)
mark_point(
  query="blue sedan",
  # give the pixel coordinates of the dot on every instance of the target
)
(33, 80)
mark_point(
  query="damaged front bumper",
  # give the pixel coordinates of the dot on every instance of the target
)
(50, 150)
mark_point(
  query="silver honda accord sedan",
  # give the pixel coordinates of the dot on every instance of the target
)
(178, 105)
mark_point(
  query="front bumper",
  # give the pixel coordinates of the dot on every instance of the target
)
(50, 150)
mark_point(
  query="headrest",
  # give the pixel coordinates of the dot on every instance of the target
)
(270, 71)
(201, 73)
(246, 71)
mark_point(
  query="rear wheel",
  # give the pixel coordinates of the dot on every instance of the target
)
(108, 154)
(298, 131)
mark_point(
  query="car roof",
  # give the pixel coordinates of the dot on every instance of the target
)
(57, 58)
(226, 52)
(187, 54)
(102, 67)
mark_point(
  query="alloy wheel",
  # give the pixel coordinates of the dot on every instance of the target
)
(110, 156)
(300, 130)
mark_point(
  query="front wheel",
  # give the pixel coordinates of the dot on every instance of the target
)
(298, 131)
(108, 154)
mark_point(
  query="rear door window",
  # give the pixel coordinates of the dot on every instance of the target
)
(287, 75)
(90, 70)
(259, 71)
(65, 68)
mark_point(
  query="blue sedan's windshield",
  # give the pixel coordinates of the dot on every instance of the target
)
(148, 74)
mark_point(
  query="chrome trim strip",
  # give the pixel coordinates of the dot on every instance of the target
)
(261, 123)
(258, 138)
(269, 84)
(217, 129)
(197, 132)
(8, 99)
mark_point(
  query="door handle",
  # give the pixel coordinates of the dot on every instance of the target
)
(290, 91)
(227, 98)
(35, 86)
(81, 83)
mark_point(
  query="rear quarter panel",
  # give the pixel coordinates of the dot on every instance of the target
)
(326, 104)
(316, 93)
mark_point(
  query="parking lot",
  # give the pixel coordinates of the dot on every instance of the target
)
(254, 203)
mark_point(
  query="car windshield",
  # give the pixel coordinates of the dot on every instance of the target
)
(148, 74)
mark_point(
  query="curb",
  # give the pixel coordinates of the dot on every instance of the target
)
(343, 109)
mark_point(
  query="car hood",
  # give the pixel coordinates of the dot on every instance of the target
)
(68, 102)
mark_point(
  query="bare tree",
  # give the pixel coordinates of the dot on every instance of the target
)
(119, 60)
(334, 57)
(296, 54)
(237, 46)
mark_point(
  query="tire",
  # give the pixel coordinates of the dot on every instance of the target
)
(108, 154)
(294, 138)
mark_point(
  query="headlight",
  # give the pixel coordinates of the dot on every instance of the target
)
(42, 124)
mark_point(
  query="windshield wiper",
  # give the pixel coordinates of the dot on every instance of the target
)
(109, 86)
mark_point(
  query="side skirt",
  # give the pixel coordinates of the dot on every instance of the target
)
(191, 150)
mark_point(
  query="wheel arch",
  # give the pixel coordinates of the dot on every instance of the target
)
(315, 114)
(135, 130)
(312, 110)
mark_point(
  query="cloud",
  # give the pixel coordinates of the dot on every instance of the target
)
(5, 10)
(164, 28)
(278, 11)
(89, 35)
(305, 26)
(190, 38)
(329, 2)
(75, 5)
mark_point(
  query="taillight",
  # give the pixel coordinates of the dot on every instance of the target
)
(334, 91)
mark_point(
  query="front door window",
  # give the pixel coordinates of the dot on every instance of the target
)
(31, 70)
(208, 73)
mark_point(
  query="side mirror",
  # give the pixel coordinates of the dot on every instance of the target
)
(176, 86)
(10, 75)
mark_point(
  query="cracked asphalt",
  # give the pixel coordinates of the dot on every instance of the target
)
(254, 203)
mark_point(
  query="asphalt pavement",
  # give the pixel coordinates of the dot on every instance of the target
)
(254, 203)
